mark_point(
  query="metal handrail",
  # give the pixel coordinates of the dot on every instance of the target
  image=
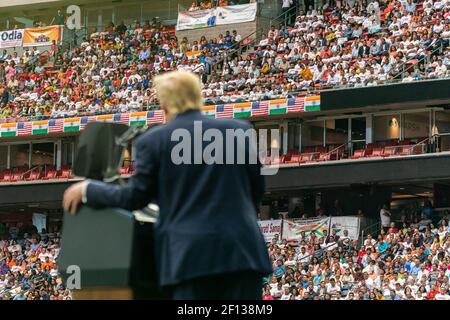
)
(29, 171)
(365, 231)
(284, 15)
(234, 48)
(422, 141)
(402, 66)
(338, 148)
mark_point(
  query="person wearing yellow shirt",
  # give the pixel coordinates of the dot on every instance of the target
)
(306, 73)
(265, 68)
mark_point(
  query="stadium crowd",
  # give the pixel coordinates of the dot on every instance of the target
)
(403, 262)
(343, 44)
(28, 265)
(207, 4)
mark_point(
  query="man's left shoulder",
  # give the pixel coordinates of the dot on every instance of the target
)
(151, 136)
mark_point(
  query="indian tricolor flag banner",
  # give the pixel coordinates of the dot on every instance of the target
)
(105, 118)
(39, 127)
(8, 130)
(138, 118)
(209, 111)
(71, 124)
(312, 103)
(278, 106)
(191, 55)
(293, 229)
(242, 110)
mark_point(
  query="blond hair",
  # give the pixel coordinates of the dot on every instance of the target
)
(178, 91)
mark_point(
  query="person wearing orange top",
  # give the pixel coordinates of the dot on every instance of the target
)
(205, 5)
(12, 263)
(47, 263)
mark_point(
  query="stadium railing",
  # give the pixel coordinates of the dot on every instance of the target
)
(407, 65)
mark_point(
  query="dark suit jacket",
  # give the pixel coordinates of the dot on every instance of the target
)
(363, 51)
(207, 222)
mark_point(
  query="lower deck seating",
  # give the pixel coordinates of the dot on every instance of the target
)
(46, 173)
(372, 150)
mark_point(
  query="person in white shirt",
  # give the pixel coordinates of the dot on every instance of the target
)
(369, 242)
(277, 291)
(286, 294)
(443, 294)
(385, 217)
(332, 287)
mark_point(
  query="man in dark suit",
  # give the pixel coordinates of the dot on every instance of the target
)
(208, 242)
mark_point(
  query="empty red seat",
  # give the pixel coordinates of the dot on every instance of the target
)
(327, 156)
(6, 176)
(64, 174)
(34, 175)
(295, 158)
(412, 149)
(359, 154)
(277, 160)
(51, 174)
(377, 152)
(16, 176)
(406, 150)
(390, 151)
(286, 157)
(309, 157)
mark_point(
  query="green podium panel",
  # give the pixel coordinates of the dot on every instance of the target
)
(111, 250)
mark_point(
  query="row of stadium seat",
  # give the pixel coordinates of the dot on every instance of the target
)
(388, 151)
(295, 157)
(50, 173)
(21, 174)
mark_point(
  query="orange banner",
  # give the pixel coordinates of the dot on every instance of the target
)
(42, 36)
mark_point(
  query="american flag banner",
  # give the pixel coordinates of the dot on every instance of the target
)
(154, 117)
(300, 103)
(24, 128)
(224, 111)
(116, 117)
(55, 125)
(83, 122)
(260, 108)
(296, 104)
(125, 118)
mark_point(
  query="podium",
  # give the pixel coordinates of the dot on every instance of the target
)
(113, 252)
